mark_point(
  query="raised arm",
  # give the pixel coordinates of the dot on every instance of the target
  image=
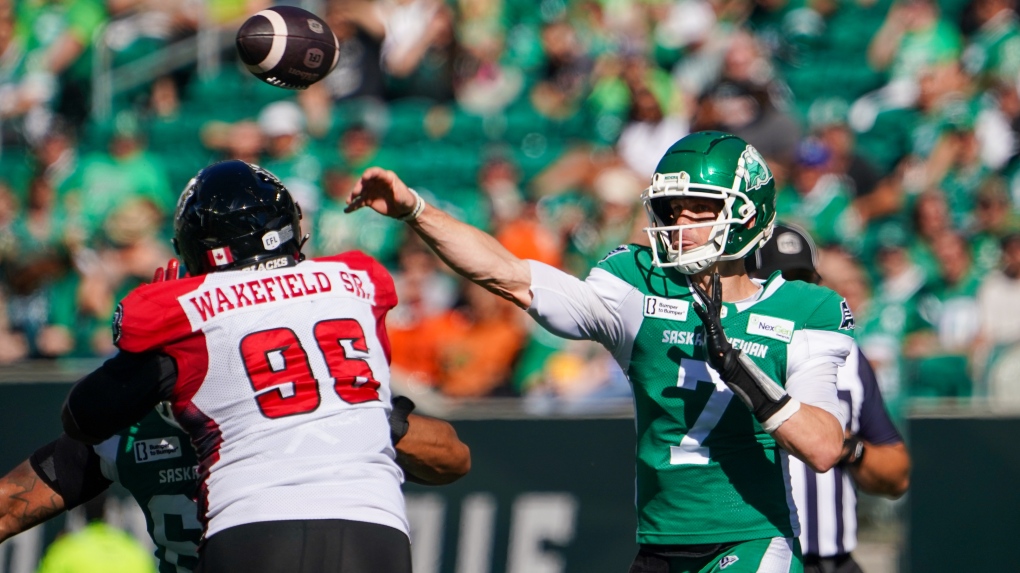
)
(469, 251)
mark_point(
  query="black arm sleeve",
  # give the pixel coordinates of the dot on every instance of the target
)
(117, 394)
(71, 469)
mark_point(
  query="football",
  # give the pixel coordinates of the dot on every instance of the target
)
(287, 47)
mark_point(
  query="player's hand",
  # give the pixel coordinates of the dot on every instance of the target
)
(171, 273)
(766, 399)
(716, 344)
(382, 191)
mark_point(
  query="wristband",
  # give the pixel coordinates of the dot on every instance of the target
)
(855, 450)
(402, 407)
(788, 409)
(419, 206)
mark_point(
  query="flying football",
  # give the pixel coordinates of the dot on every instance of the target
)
(287, 47)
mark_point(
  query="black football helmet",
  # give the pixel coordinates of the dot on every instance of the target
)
(234, 214)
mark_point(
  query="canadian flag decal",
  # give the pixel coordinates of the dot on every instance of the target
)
(219, 257)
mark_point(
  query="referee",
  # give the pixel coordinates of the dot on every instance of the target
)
(874, 457)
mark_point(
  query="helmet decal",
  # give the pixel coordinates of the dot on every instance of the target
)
(271, 240)
(219, 256)
(756, 173)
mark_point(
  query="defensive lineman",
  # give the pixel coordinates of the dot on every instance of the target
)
(713, 489)
(280, 376)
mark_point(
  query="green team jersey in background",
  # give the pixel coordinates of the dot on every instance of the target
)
(706, 470)
(156, 463)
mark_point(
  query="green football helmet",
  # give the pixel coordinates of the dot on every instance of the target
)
(712, 165)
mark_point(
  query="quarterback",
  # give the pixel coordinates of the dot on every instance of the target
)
(729, 375)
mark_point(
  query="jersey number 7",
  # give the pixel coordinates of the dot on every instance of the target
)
(690, 450)
(278, 368)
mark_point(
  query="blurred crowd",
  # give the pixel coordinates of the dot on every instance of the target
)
(891, 127)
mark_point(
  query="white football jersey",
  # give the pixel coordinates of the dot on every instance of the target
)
(283, 385)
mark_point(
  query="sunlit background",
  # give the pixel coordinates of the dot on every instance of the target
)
(891, 128)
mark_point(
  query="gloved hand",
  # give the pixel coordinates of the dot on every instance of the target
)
(171, 273)
(768, 401)
(720, 351)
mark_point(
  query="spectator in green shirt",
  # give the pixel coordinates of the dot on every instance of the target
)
(994, 49)
(913, 39)
(39, 274)
(881, 324)
(336, 231)
(284, 125)
(104, 181)
(913, 36)
(818, 200)
(993, 220)
(930, 217)
(55, 37)
(943, 323)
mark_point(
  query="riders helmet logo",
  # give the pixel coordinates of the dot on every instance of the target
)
(314, 26)
(219, 256)
(756, 173)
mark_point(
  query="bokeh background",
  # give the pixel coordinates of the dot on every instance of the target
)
(891, 127)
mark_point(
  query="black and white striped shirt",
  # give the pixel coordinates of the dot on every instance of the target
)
(827, 502)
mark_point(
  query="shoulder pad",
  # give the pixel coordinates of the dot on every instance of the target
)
(150, 316)
(385, 290)
(832, 313)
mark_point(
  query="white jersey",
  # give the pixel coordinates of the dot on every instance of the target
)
(283, 385)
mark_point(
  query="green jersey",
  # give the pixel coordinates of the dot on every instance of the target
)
(156, 463)
(994, 51)
(825, 212)
(706, 470)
